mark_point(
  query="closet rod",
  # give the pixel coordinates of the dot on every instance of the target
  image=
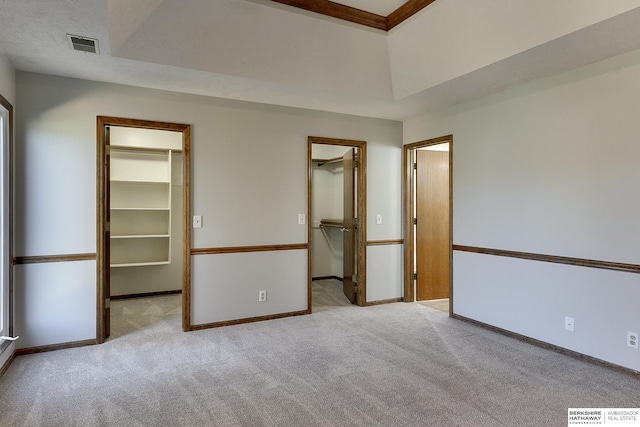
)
(331, 224)
(132, 148)
(322, 162)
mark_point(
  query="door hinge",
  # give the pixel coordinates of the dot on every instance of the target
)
(107, 303)
(107, 150)
(415, 166)
(415, 276)
(355, 164)
(415, 221)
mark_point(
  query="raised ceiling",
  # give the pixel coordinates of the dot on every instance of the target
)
(379, 7)
(264, 51)
(381, 14)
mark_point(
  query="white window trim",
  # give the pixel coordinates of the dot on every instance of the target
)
(5, 226)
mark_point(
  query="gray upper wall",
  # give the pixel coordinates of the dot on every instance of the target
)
(249, 182)
(551, 168)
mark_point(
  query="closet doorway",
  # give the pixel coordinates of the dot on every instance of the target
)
(143, 208)
(337, 217)
(428, 221)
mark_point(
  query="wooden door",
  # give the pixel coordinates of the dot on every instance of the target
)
(432, 229)
(349, 229)
(107, 233)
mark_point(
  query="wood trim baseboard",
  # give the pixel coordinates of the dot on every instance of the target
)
(248, 320)
(384, 301)
(548, 346)
(385, 242)
(243, 249)
(579, 262)
(54, 347)
(6, 364)
(147, 294)
(37, 259)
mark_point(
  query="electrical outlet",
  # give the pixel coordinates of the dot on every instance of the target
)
(262, 296)
(568, 323)
(632, 339)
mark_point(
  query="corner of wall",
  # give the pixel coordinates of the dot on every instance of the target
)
(7, 79)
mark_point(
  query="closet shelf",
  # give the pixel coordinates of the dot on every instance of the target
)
(138, 149)
(138, 181)
(140, 236)
(140, 206)
(140, 264)
(141, 209)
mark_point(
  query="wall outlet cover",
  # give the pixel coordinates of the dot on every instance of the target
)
(632, 339)
(569, 324)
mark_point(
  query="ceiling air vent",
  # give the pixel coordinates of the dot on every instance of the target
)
(83, 44)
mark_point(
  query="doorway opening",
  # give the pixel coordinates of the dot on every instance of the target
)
(428, 222)
(337, 222)
(143, 231)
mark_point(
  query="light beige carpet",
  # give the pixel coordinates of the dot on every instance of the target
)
(388, 365)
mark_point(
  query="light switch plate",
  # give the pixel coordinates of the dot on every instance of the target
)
(301, 219)
(197, 221)
(378, 219)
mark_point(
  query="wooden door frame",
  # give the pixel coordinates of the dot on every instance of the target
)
(361, 209)
(408, 230)
(101, 266)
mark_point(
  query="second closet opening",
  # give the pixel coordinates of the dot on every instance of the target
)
(337, 222)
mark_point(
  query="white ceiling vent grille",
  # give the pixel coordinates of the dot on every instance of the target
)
(83, 44)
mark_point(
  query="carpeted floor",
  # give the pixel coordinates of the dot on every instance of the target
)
(388, 365)
(327, 295)
(133, 314)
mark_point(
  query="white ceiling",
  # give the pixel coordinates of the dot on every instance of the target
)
(261, 51)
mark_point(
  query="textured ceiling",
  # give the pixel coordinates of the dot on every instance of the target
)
(256, 50)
